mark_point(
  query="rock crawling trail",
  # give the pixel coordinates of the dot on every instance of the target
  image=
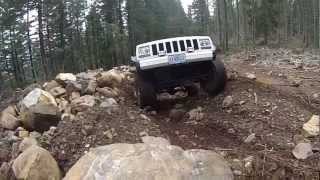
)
(255, 123)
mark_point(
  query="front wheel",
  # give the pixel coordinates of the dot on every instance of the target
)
(145, 92)
(217, 79)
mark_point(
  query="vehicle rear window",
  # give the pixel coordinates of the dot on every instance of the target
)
(195, 44)
(168, 46)
(189, 43)
(161, 47)
(175, 46)
(154, 50)
(182, 46)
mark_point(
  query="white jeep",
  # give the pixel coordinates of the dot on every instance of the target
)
(166, 64)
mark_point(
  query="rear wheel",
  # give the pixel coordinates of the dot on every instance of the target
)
(217, 79)
(146, 93)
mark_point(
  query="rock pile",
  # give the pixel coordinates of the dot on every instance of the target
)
(40, 109)
(43, 107)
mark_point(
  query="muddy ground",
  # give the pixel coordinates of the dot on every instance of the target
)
(273, 107)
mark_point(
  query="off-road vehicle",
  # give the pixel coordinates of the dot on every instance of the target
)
(166, 64)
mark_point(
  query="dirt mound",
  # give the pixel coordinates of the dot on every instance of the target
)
(97, 127)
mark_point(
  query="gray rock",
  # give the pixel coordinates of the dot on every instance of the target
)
(83, 103)
(302, 151)
(27, 90)
(92, 86)
(196, 114)
(312, 127)
(36, 163)
(58, 92)
(50, 85)
(251, 76)
(177, 114)
(39, 111)
(23, 134)
(90, 75)
(227, 102)
(107, 92)
(64, 78)
(26, 143)
(296, 82)
(35, 135)
(109, 103)
(153, 159)
(9, 119)
(74, 95)
(316, 98)
(73, 86)
(112, 78)
(250, 138)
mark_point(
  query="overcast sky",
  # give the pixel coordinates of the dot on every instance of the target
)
(186, 3)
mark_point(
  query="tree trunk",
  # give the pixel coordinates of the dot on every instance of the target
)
(14, 60)
(61, 33)
(226, 28)
(219, 23)
(238, 22)
(41, 39)
(29, 43)
(319, 23)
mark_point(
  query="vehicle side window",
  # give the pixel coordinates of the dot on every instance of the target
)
(168, 46)
(195, 44)
(189, 43)
(175, 46)
(161, 47)
(182, 46)
(154, 50)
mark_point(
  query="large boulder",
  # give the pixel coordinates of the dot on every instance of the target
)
(111, 78)
(26, 143)
(58, 91)
(8, 118)
(73, 86)
(50, 85)
(92, 86)
(39, 111)
(108, 92)
(153, 159)
(90, 75)
(64, 78)
(36, 163)
(82, 103)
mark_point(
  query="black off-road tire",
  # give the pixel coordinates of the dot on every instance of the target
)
(217, 79)
(145, 91)
(192, 90)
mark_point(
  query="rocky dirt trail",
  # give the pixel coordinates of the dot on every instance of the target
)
(264, 124)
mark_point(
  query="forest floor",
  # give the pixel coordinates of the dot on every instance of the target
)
(261, 126)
